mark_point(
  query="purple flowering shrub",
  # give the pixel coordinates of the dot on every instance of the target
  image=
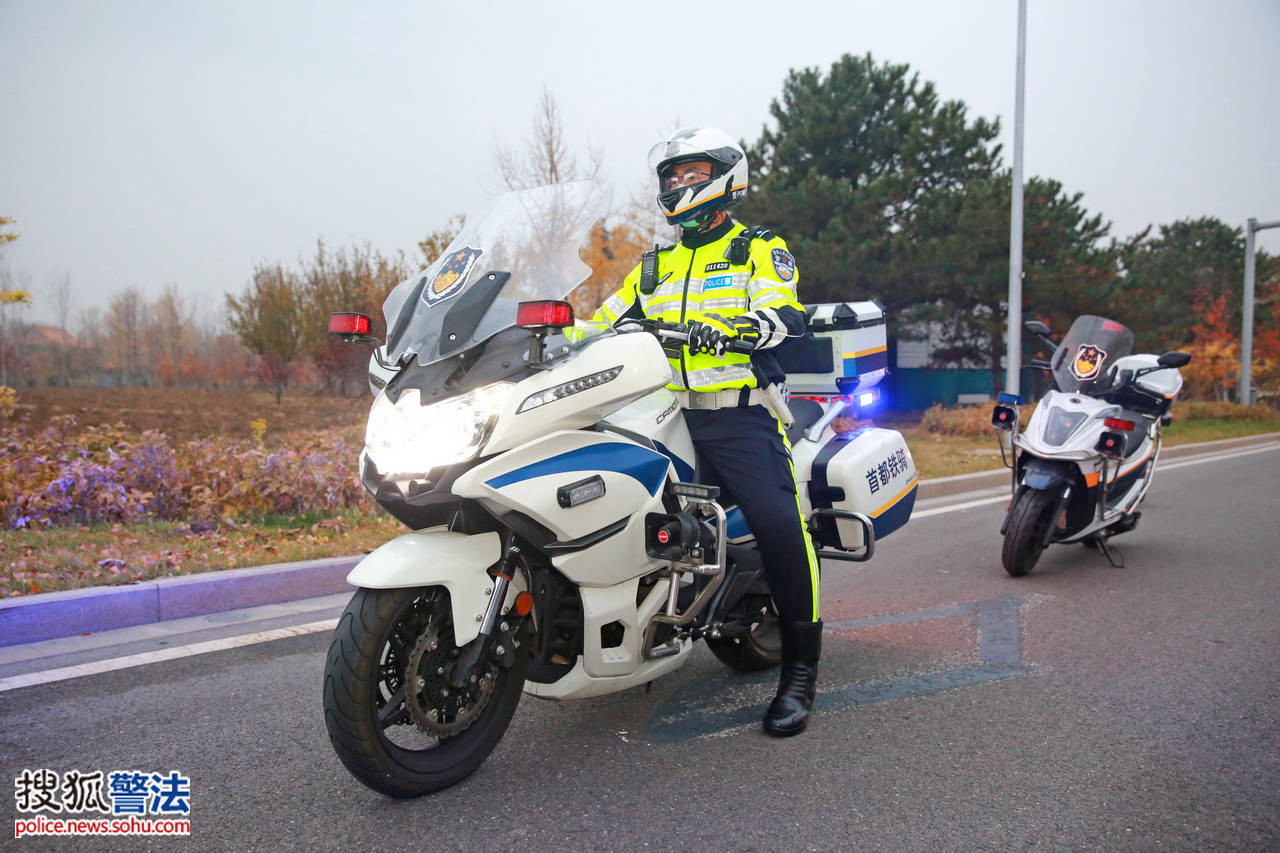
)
(64, 475)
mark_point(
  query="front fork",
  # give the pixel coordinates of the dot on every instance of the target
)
(471, 654)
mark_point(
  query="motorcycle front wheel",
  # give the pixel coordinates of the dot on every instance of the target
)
(1029, 517)
(394, 718)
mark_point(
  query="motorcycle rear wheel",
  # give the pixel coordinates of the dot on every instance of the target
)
(1028, 517)
(758, 649)
(369, 721)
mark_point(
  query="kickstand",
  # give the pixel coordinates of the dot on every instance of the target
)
(1102, 546)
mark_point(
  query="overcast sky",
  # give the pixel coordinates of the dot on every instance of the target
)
(148, 142)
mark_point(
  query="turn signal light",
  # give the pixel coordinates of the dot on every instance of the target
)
(349, 323)
(524, 603)
(1116, 423)
(552, 312)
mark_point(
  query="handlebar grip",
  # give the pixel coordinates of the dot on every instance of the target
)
(738, 345)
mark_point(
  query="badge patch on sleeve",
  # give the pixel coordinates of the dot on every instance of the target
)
(784, 264)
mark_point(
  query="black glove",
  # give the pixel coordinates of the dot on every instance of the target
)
(748, 329)
(710, 336)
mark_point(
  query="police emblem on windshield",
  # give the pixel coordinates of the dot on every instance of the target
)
(452, 275)
(1088, 362)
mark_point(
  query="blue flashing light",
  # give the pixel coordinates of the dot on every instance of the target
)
(866, 398)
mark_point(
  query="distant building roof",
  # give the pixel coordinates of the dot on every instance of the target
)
(42, 335)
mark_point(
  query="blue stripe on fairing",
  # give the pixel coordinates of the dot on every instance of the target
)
(647, 467)
(684, 471)
(895, 516)
(736, 523)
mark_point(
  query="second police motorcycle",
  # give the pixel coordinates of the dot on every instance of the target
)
(559, 544)
(1086, 458)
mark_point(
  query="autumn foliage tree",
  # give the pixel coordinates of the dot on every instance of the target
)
(1215, 351)
(270, 319)
(357, 279)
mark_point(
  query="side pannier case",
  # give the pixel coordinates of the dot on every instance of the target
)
(869, 471)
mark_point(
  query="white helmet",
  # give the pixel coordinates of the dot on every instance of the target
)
(684, 203)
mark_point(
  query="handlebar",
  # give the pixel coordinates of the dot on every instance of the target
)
(680, 332)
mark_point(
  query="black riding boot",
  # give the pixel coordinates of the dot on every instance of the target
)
(788, 713)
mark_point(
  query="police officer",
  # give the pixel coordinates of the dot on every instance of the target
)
(727, 282)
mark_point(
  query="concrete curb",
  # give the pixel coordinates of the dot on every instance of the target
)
(49, 615)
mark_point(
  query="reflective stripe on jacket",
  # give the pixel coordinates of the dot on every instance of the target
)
(694, 283)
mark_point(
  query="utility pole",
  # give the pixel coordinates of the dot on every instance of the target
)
(1013, 357)
(1243, 394)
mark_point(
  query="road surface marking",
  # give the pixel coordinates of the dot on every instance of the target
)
(13, 682)
(698, 711)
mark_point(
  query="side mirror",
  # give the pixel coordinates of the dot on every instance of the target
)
(1174, 359)
(1035, 327)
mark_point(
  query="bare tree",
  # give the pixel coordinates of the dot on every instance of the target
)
(171, 331)
(546, 159)
(15, 296)
(124, 321)
(61, 299)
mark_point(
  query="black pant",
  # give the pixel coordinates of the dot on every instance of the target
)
(745, 452)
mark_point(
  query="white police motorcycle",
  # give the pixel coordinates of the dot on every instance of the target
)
(560, 545)
(1087, 457)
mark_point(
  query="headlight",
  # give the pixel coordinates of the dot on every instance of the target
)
(409, 438)
(1061, 424)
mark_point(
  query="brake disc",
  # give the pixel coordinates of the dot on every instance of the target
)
(434, 705)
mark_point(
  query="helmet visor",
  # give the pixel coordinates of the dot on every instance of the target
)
(689, 142)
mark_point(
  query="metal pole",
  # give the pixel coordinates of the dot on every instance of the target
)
(1246, 324)
(1013, 357)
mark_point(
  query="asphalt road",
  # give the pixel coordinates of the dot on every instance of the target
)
(1084, 707)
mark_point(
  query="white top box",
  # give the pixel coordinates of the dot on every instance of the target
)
(845, 349)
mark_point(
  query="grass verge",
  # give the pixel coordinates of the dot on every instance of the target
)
(58, 558)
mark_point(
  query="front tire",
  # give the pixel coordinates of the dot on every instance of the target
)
(1029, 517)
(388, 644)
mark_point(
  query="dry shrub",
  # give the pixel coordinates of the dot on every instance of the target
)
(967, 421)
(1195, 410)
(65, 474)
(975, 421)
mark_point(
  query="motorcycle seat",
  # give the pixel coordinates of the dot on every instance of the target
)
(806, 413)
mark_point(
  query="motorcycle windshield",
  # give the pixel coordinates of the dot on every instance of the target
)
(1091, 346)
(523, 248)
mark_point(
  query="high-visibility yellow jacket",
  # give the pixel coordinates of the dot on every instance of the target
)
(695, 280)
